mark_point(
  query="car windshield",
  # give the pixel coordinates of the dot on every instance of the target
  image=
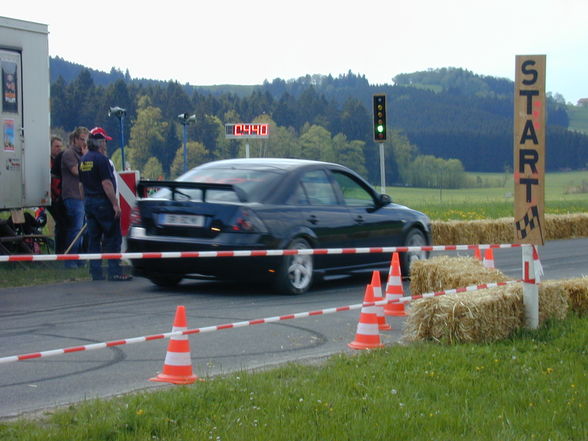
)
(254, 183)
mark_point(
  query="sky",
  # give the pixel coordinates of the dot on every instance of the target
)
(206, 42)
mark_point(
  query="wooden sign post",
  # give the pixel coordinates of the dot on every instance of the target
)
(529, 149)
(529, 171)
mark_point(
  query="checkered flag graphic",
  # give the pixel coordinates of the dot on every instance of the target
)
(528, 222)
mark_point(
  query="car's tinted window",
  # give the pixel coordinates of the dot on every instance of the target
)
(318, 188)
(256, 184)
(354, 194)
(298, 196)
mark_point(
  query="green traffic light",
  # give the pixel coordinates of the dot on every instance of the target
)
(380, 128)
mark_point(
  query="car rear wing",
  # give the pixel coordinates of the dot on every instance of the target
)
(174, 186)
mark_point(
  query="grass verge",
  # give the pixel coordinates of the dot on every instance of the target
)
(15, 274)
(531, 387)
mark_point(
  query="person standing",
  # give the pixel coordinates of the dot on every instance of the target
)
(71, 192)
(101, 206)
(57, 208)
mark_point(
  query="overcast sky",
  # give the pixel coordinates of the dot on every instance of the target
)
(204, 42)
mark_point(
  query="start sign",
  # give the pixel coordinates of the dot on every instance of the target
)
(529, 149)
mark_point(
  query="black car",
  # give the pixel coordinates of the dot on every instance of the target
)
(261, 204)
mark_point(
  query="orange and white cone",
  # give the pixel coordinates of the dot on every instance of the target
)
(177, 367)
(394, 289)
(367, 335)
(488, 258)
(477, 254)
(377, 289)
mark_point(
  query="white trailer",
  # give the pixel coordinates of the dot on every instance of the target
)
(25, 177)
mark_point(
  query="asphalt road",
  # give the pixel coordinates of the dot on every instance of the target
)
(71, 314)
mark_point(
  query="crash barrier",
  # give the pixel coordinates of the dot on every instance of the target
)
(251, 253)
(241, 324)
(177, 367)
(532, 270)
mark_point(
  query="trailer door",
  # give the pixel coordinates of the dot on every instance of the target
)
(11, 123)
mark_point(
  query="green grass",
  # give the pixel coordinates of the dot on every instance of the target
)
(15, 274)
(531, 387)
(561, 197)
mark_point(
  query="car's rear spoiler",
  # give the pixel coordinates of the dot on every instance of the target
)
(142, 187)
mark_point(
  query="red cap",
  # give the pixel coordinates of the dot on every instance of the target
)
(100, 133)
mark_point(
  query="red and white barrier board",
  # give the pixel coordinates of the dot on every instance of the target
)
(247, 253)
(126, 182)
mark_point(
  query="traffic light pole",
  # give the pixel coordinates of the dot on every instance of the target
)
(379, 115)
(382, 170)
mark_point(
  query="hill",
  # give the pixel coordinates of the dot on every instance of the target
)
(448, 113)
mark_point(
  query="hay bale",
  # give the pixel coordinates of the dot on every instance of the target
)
(553, 302)
(576, 292)
(455, 232)
(444, 272)
(479, 316)
(566, 226)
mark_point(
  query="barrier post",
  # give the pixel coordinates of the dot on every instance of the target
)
(530, 289)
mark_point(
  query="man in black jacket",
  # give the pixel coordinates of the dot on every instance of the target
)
(101, 206)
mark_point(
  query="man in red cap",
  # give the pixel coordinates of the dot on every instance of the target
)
(101, 205)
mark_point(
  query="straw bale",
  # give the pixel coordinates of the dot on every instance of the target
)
(479, 316)
(553, 302)
(576, 292)
(456, 232)
(566, 226)
(444, 272)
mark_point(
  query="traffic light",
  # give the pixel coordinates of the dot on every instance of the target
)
(380, 117)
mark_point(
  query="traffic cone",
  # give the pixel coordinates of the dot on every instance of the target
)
(377, 289)
(177, 367)
(488, 258)
(477, 254)
(394, 289)
(367, 335)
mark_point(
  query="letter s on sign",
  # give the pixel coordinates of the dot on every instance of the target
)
(532, 72)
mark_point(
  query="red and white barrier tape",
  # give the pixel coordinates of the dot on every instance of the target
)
(50, 353)
(246, 253)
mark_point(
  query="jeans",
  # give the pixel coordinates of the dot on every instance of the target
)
(104, 235)
(74, 211)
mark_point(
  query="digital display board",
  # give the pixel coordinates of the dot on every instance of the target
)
(246, 130)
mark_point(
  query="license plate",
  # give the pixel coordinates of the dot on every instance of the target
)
(182, 220)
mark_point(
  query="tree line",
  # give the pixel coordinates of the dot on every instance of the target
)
(313, 117)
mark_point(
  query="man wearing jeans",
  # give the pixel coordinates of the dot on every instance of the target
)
(101, 205)
(71, 193)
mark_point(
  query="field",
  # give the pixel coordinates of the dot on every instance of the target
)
(578, 118)
(563, 195)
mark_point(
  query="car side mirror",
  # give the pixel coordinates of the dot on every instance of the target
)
(384, 199)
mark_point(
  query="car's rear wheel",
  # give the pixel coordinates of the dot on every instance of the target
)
(166, 281)
(414, 238)
(295, 273)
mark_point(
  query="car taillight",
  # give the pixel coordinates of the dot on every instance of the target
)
(246, 221)
(135, 218)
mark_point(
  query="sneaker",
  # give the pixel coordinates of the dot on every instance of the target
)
(120, 278)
